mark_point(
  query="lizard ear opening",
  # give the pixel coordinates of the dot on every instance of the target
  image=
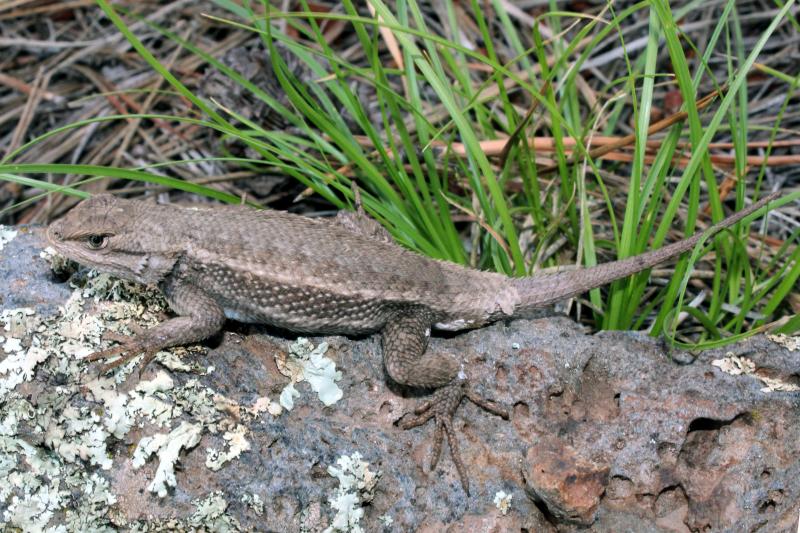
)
(97, 242)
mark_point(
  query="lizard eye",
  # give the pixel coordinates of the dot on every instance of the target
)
(95, 242)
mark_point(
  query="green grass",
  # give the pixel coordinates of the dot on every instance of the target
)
(418, 199)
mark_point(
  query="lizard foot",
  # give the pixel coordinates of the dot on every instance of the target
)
(441, 407)
(127, 350)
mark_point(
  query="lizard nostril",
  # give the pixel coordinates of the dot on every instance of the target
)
(55, 231)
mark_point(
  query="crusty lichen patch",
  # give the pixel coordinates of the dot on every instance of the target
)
(210, 515)
(40, 486)
(791, 343)
(502, 501)
(236, 444)
(305, 362)
(58, 418)
(356, 488)
(737, 365)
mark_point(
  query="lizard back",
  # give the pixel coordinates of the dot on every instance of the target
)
(314, 275)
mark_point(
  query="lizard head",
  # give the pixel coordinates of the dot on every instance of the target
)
(106, 233)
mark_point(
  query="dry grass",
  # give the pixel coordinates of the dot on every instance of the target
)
(63, 62)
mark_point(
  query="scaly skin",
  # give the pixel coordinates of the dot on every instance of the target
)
(343, 276)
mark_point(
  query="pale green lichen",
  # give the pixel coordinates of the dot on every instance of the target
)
(254, 502)
(58, 263)
(39, 486)
(210, 515)
(45, 485)
(19, 364)
(45, 446)
(288, 394)
(168, 447)
(176, 360)
(73, 417)
(11, 345)
(356, 487)
(78, 434)
(96, 498)
(305, 362)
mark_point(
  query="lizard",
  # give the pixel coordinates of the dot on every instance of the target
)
(323, 276)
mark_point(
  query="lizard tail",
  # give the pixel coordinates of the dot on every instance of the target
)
(545, 289)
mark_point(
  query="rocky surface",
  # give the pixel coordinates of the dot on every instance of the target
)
(608, 431)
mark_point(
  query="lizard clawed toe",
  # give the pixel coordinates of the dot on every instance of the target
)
(441, 407)
(107, 353)
(127, 350)
(121, 338)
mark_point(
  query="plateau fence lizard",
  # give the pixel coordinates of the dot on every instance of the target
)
(308, 275)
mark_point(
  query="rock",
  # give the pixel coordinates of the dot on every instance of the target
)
(569, 486)
(607, 432)
(26, 279)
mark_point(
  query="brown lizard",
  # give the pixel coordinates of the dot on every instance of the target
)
(337, 276)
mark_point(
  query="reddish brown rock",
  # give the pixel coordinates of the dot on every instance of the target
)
(566, 484)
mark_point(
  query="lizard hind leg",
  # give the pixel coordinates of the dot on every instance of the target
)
(405, 339)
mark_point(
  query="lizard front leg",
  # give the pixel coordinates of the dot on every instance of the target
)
(405, 339)
(199, 318)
